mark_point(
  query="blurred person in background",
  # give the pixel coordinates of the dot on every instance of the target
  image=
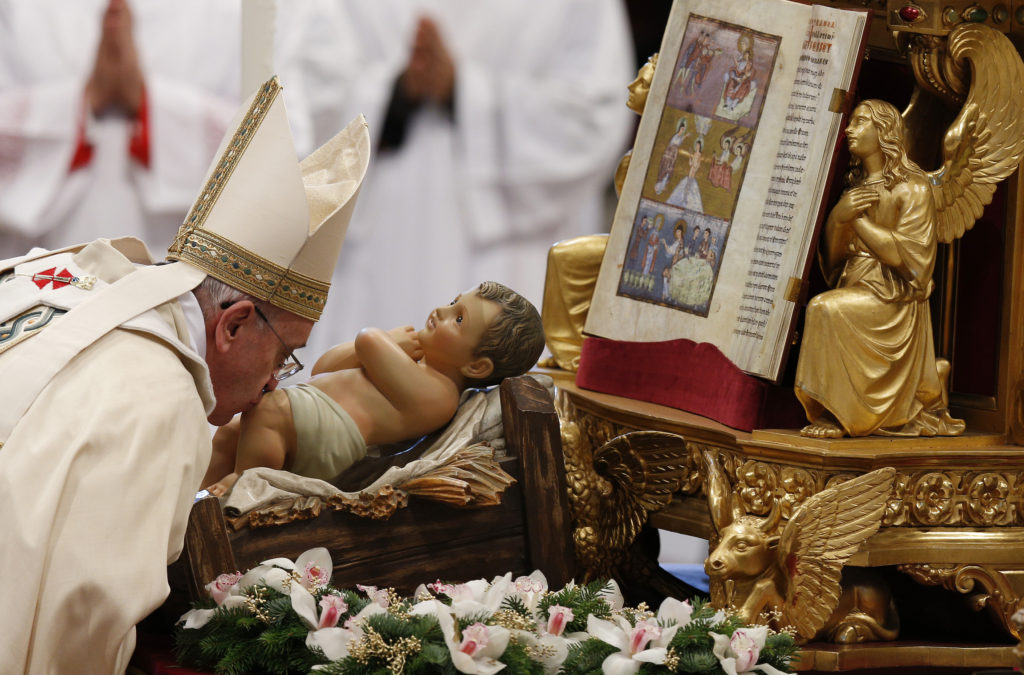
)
(497, 127)
(111, 110)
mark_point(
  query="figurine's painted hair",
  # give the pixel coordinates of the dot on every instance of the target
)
(514, 340)
(897, 167)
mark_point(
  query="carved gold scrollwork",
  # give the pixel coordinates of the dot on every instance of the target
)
(933, 69)
(987, 501)
(932, 498)
(895, 513)
(957, 498)
(757, 484)
(797, 485)
(996, 593)
(837, 478)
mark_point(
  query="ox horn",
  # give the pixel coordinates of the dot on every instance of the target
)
(721, 503)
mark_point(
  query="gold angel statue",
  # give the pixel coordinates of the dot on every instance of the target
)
(573, 264)
(867, 363)
(797, 576)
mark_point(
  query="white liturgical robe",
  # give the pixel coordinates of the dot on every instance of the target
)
(190, 54)
(523, 159)
(97, 477)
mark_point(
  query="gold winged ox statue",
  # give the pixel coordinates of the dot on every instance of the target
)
(796, 578)
(867, 360)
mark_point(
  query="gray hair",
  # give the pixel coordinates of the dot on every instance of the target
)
(214, 296)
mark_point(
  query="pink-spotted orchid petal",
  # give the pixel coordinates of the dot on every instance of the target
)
(483, 660)
(220, 588)
(558, 618)
(530, 589)
(632, 643)
(332, 607)
(738, 654)
(314, 568)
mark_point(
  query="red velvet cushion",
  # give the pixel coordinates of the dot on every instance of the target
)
(690, 376)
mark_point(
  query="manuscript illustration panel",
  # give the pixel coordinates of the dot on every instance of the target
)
(707, 126)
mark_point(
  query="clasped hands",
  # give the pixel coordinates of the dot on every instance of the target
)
(430, 73)
(116, 82)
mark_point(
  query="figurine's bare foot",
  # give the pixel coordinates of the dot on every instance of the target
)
(223, 486)
(823, 427)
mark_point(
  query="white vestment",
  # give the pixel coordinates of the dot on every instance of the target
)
(190, 52)
(538, 123)
(96, 482)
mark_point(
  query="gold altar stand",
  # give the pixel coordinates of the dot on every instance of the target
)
(938, 565)
(953, 522)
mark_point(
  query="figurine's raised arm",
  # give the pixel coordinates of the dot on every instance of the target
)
(343, 356)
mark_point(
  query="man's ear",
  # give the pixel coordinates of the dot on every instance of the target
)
(227, 323)
(478, 368)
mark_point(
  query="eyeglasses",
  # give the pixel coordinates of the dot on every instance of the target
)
(291, 363)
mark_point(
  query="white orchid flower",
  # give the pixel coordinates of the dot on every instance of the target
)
(220, 588)
(479, 597)
(613, 596)
(304, 604)
(313, 567)
(631, 642)
(558, 618)
(197, 618)
(677, 611)
(378, 596)
(477, 652)
(549, 650)
(739, 654)
(334, 641)
(531, 589)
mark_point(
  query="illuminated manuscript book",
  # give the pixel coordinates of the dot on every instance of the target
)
(722, 201)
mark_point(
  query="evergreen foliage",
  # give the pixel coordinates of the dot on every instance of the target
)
(292, 620)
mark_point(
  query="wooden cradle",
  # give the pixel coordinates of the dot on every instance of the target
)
(424, 541)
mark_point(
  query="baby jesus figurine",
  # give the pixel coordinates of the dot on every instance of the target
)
(383, 387)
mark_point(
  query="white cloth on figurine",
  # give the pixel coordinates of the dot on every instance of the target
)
(93, 510)
(47, 50)
(327, 439)
(477, 420)
(525, 160)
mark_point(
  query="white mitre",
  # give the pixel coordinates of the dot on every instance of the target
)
(267, 224)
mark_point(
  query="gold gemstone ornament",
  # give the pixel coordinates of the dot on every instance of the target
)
(266, 224)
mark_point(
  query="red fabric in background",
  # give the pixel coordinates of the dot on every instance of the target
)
(154, 656)
(690, 376)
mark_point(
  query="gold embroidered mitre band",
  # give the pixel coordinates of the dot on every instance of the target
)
(266, 224)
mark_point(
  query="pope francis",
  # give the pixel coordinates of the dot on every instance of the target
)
(113, 366)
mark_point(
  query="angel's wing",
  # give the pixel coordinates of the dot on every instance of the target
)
(820, 537)
(986, 141)
(643, 469)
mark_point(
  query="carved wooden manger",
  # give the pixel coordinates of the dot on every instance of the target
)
(421, 542)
